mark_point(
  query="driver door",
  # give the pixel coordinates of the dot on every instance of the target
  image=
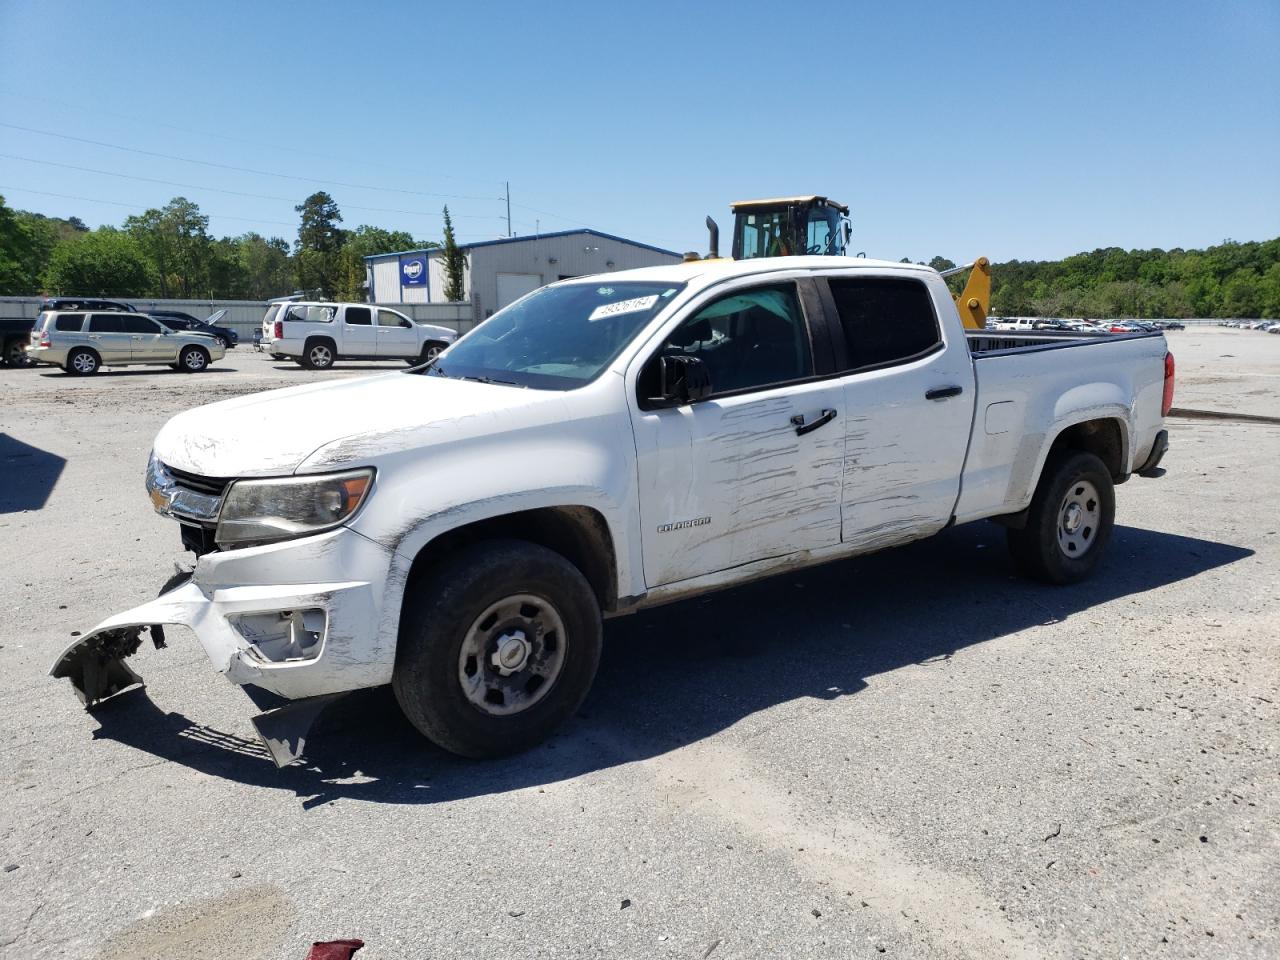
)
(397, 336)
(753, 471)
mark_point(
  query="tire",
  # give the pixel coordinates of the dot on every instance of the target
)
(83, 362)
(496, 599)
(430, 350)
(1069, 521)
(193, 360)
(226, 344)
(318, 355)
(15, 352)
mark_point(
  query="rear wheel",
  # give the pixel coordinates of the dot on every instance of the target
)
(193, 359)
(15, 353)
(497, 649)
(1069, 521)
(318, 355)
(82, 363)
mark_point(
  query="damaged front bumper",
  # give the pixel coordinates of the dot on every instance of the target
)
(305, 641)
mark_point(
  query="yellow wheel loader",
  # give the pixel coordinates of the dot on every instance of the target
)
(819, 226)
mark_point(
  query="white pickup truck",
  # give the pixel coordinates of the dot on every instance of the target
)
(606, 444)
(317, 334)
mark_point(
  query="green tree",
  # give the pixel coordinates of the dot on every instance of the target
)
(175, 238)
(266, 269)
(104, 263)
(26, 243)
(320, 242)
(455, 262)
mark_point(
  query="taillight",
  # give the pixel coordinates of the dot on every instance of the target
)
(277, 330)
(1167, 403)
(44, 339)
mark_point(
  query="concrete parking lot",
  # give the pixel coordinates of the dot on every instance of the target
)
(912, 754)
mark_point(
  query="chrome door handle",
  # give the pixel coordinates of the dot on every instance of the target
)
(802, 428)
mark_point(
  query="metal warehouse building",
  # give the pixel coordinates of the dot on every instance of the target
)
(499, 272)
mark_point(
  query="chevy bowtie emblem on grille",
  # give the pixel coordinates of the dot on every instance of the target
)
(683, 524)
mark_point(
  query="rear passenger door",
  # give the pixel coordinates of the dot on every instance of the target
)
(397, 336)
(908, 402)
(105, 334)
(147, 342)
(359, 339)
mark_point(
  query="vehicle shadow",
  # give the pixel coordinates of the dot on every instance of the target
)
(27, 475)
(374, 366)
(137, 371)
(677, 674)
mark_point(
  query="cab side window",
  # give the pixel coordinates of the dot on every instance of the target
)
(389, 318)
(359, 317)
(136, 324)
(749, 339)
(885, 320)
(106, 323)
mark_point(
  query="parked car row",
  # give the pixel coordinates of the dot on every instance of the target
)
(1068, 325)
(83, 334)
(1267, 326)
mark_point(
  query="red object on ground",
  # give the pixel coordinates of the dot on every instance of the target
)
(334, 949)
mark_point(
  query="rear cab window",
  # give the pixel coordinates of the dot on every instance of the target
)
(885, 320)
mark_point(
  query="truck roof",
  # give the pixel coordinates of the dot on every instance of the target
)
(704, 272)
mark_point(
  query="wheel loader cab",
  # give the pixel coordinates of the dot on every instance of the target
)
(789, 226)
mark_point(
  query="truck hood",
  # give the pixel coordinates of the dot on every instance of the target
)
(277, 432)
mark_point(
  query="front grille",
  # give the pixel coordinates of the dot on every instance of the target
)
(211, 486)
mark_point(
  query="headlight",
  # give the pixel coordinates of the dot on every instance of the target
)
(260, 511)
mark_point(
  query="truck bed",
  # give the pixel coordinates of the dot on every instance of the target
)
(984, 343)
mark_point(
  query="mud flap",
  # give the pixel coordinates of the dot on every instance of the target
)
(284, 731)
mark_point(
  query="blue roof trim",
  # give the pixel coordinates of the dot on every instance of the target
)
(534, 236)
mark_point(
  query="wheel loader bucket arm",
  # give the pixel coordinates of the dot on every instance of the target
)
(974, 301)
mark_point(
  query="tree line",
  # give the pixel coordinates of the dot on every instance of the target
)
(168, 253)
(1228, 280)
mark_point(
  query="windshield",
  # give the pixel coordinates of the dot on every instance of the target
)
(556, 338)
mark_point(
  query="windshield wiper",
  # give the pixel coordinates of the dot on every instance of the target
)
(505, 383)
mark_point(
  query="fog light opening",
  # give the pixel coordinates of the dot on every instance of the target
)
(284, 636)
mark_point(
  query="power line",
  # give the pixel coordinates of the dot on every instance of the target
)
(236, 193)
(135, 206)
(257, 143)
(228, 166)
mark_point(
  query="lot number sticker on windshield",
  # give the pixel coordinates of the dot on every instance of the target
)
(606, 310)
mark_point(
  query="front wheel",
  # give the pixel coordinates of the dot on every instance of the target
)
(1069, 521)
(430, 351)
(193, 359)
(497, 648)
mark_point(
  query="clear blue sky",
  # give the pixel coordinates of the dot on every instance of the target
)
(1029, 130)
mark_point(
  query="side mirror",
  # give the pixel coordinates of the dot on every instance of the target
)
(682, 379)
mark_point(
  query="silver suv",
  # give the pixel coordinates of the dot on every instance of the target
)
(82, 342)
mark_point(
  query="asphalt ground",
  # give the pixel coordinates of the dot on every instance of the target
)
(912, 754)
